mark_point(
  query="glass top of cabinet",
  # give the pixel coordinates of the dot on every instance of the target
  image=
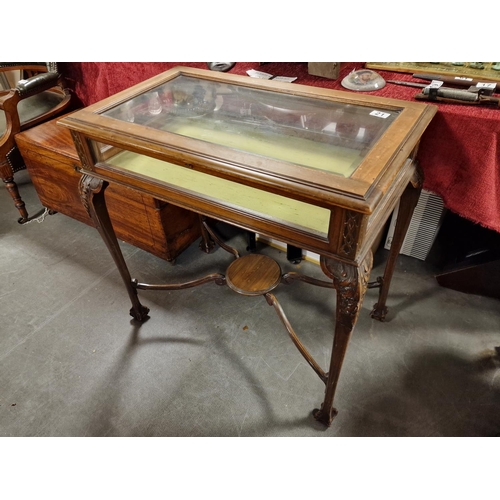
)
(316, 133)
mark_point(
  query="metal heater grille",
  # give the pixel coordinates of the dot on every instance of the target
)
(424, 226)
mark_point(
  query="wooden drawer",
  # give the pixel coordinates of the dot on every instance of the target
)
(152, 225)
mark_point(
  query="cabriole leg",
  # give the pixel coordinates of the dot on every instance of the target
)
(92, 195)
(351, 282)
(407, 204)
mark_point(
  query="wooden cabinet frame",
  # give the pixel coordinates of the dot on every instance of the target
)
(359, 204)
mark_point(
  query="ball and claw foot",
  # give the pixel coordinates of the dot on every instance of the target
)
(379, 313)
(141, 314)
(324, 417)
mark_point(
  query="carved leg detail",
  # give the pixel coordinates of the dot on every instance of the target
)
(407, 205)
(92, 195)
(350, 282)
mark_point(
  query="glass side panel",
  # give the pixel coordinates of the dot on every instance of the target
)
(314, 133)
(291, 213)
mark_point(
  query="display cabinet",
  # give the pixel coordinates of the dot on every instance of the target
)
(318, 169)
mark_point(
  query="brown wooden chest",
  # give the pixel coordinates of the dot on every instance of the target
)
(145, 222)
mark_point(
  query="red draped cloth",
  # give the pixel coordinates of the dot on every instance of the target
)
(458, 152)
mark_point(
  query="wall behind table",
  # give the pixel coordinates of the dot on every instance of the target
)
(459, 152)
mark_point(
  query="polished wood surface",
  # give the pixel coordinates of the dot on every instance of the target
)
(253, 275)
(358, 206)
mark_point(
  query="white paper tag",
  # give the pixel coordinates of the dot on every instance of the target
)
(259, 74)
(288, 79)
(266, 76)
(380, 114)
(486, 85)
(435, 84)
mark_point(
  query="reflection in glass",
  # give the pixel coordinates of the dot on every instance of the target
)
(128, 112)
(315, 133)
(154, 103)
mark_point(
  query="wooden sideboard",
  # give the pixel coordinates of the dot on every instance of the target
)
(160, 228)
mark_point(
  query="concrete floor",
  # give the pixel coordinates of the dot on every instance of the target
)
(209, 362)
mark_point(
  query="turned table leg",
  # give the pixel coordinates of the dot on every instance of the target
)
(13, 190)
(407, 204)
(92, 195)
(351, 282)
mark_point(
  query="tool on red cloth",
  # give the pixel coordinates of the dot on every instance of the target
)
(482, 93)
(462, 81)
(409, 84)
(443, 94)
(489, 87)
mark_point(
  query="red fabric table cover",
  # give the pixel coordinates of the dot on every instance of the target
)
(458, 153)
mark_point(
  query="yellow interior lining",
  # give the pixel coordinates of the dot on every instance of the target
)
(293, 149)
(273, 207)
